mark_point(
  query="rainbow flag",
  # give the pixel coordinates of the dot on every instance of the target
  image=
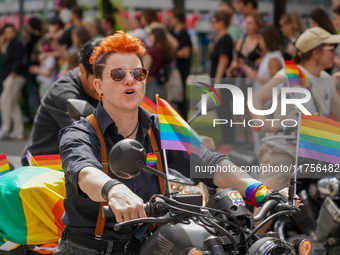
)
(319, 139)
(31, 161)
(149, 105)
(31, 200)
(52, 161)
(175, 132)
(295, 76)
(4, 166)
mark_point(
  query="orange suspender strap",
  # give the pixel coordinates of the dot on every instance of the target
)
(100, 220)
(159, 165)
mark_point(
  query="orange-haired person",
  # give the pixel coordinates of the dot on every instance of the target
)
(120, 81)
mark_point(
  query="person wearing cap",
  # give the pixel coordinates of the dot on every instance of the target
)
(315, 53)
(52, 114)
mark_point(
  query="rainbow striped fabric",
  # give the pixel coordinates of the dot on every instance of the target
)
(52, 161)
(319, 139)
(256, 192)
(4, 166)
(176, 133)
(148, 105)
(151, 159)
(31, 200)
(295, 76)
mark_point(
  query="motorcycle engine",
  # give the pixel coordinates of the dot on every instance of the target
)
(231, 201)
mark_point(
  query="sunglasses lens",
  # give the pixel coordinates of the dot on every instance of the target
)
(139, 73)
(117, 74)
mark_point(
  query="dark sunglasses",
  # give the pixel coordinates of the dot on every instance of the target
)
(118, 73)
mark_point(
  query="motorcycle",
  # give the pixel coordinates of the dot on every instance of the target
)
(319, 220)
(224, 226)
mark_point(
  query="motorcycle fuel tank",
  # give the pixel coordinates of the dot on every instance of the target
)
(172, 239)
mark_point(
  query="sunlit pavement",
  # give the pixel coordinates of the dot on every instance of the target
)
(13, 149)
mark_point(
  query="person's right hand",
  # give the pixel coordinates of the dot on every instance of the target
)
(125, 204)
(270, 127)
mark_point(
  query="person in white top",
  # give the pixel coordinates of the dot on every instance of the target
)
(46, 71)
(271, 61)
(316, 52)
(270, 64)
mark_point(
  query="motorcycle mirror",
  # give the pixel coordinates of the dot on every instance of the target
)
(210, 105)
(127, 158)
(210, 102)
(79, 108)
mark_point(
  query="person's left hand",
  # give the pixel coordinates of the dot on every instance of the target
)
(285, 192)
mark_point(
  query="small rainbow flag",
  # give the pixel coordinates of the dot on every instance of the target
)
(149, 105)
(295, 76)
(175, 132)
(31, 160)
(52, 161)
(151, 159)
(31, 200)
(319, 139)
(4, 166)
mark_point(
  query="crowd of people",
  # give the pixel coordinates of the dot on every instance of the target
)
(244, 46)
(85, 58)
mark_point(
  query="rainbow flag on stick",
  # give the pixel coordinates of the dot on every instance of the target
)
(319, 139)
(31, 200)
(4, 166)
(295, 76)
(175, 132)
(148, 105)
(52, 161)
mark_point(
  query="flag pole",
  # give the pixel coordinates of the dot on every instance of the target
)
(167, 182)
(292, 191)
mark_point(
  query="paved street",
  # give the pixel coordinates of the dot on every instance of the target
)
(13, 149)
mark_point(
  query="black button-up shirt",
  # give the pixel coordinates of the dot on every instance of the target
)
(53, 115)
(80, 147)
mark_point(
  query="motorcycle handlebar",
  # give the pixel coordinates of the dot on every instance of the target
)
(108, 213)
(265, 209)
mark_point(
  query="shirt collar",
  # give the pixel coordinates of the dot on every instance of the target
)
(146, 119)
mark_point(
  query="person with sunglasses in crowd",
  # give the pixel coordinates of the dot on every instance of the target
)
(120, 81)
(52, 114)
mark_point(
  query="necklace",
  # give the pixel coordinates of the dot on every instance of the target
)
(133, 130)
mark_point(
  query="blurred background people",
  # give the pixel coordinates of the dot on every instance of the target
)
(46, 70)
(271, 61)
(183, 55)
(221, 57)
(107, 24)
(319, 18)
(291, 27)
(79, 37)
(12, 85)
(93, 27)
(157, 56)
(336, 23)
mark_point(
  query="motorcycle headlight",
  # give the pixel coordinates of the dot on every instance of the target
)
(271, 246)
(189, 189)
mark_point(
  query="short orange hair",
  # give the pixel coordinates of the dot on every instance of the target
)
(120, 42)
